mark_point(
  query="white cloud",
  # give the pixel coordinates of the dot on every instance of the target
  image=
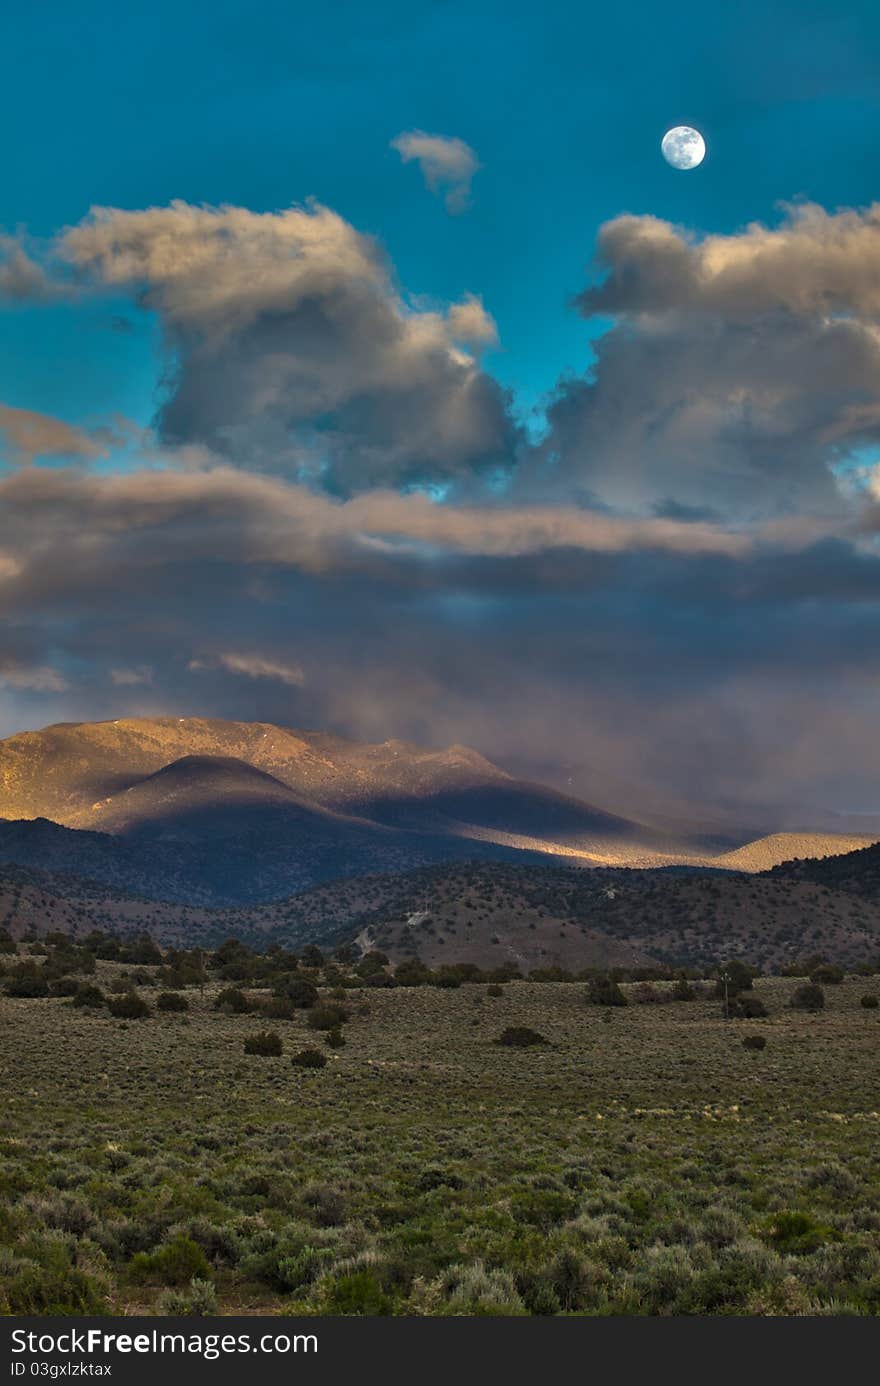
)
(447, 164)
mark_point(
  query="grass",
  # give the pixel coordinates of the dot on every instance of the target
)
(642, 1161)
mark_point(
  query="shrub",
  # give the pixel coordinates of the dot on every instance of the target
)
(326, 1017)
(740, 977)
(129, 1006)
(64, 986)
(604, 991)
(683, 991)
(51, 1286)
(357, 1294)
(171, 1001)
(646, 995)
(412, 973)
(301, 993)
(754, 1042)
(869, 1002)
(747, 1007)
(520, 1037)
(473, 1290)
(233, 999)
(198, 1301)
(809, 997)
(309, 1058)
(266, 1042)
(91, 997)
(175, 1263)
(335, 1039)
(829, 974)
(494, 990)
(277, 1008)
(794, 1233)
(371, 964)
(26, 988)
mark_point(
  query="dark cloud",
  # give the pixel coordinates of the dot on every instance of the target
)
(629, 652)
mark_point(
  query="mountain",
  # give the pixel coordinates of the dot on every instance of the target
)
(764, 853)
(158, 777)
(215, 813)
(200, 798)
(855, 873)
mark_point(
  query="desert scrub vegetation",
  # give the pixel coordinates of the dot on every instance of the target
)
(267, 1043)
(650, 1165)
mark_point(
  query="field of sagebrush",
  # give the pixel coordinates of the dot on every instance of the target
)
(640, 1161)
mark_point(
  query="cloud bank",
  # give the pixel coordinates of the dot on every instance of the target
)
(671, 599)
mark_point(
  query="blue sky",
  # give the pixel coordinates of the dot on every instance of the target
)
(265, 105)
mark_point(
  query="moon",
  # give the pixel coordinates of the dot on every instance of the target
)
(683, 147)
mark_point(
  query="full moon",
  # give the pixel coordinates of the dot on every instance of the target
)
(683, 147)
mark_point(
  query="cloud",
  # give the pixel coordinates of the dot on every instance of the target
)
(253, 667)
(677, 587)
(22, 278)
(130, 678)
(814, 263)
(447, 164)
(741, 372)
(675, 652)
(292, 350)
(38, 679)
(31, 435)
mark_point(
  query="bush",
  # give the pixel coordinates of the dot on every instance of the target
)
(51, 1286)
(171, 1001)
(233, 999)
(828, 974)
(754, 1042)
(357, 1294)
(129, 1006)
(520, 1037)
(175, 1263)
(309, 1058)
(494, 990)
(604, 991)
(326, 1017)
(26, 988)
(747, 1007)
(267, 1042)
(335, 1039)
(869, 1002)
(794, 1233)
(301, 993)
(277, 1008)
(92, 997)
(412, 973)
(64, 986)
(198, 1301)
(683, 991)
(809, 997)
(371, 964)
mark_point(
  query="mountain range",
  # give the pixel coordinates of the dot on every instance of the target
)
(193, 826)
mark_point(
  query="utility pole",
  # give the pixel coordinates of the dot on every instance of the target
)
(725, 979)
